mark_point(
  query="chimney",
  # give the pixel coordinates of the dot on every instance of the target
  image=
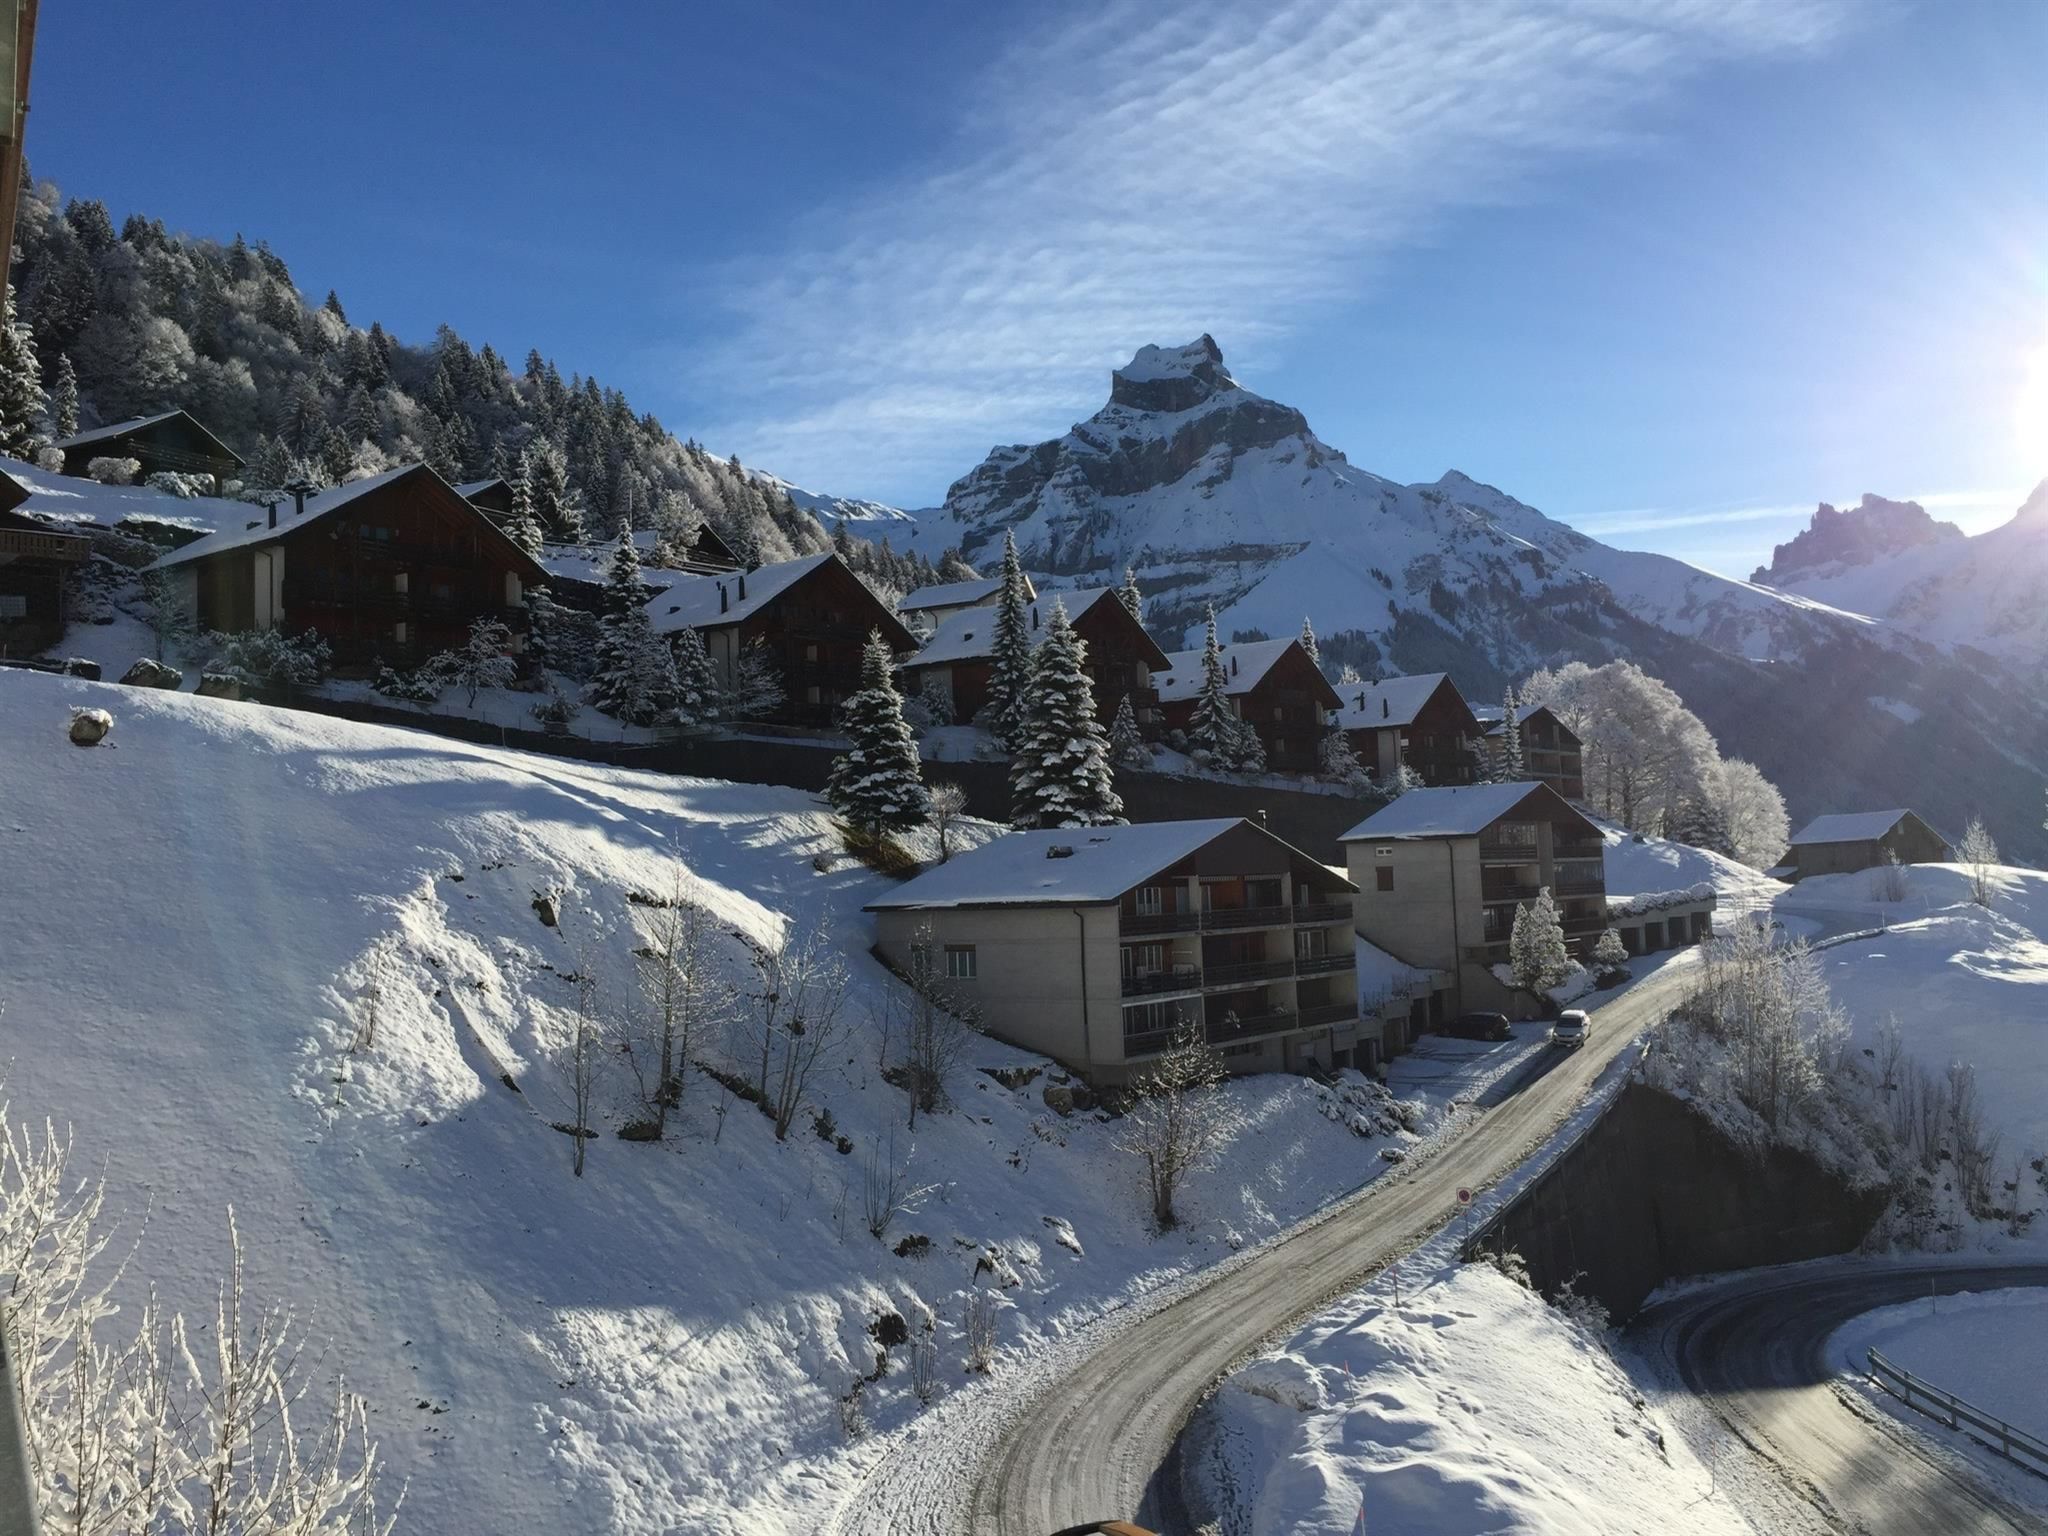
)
(721, 597)
(1361, 703)
(271, 508)
(1384, 711)
(1262, 816)
(1233, 666)
(743, 586)
(1034, 616)
(298, 501)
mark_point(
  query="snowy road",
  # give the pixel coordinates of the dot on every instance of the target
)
(1090, 1442)
(1754, 1348)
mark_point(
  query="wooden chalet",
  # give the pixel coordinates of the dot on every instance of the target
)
(36, 561)
(931, 606)
(169, 442)
(1421, 720)
(1851, 840)
(1120, 659)
(492, 497)
(809, 618)
(1551, 753)
(1276, 688)
(394, 568)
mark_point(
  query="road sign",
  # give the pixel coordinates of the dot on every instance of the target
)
(1464, 1197)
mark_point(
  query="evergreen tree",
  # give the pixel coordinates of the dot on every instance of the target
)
(523, 527)
(635, 678)
(1126, 746)
(953, 566)
(876, 784)
(273, 468)
(1337, 762)
(1513, 769)
(336, 456)
(64, 399)
(697, 690)
(1536, 952)
(1308, 641)
(1214, 728)
(1129, 595)
(1610, 954)
(1702, 823)
(555, 502)
(1059, 768)
(1010, 669)
(359, 416)
(22, 404)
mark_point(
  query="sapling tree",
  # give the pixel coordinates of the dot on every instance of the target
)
(1127, 747)
(676, 990)
(482, 661)
(796, 1017)
(1610, 954)
(1181, 1121)
(939, 1021)
(947, 804)
(170, 621)
(1977, 852)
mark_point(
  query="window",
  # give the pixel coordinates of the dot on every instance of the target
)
(1151, 901)
(810, 653)
(400, 581)
(812, 694)
(1143, 959)
(398, 632)
(1311, 944)
(1151, 1018)
(960, 962)
(1383, 875)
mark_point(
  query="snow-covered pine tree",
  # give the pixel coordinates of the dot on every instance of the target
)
(1610, 954)
(953, 566)
(523, 527)
(1126, 746)
(1337, 762)
(545, 469)
(1308, 641)
(64, 399)
(1513, 768)
(22, 403)
(634, 680)
(1702, 823)
(1010, 657)
(1129, 595)
(1059, 769)
(697, 690)
(1536, 950)
(877, 783)
(1214, 729)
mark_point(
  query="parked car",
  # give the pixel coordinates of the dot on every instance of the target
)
(1480, 1026)
(1571, 1027)
(1105, 1528)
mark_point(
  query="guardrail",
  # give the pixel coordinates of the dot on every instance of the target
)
(2015, 1445)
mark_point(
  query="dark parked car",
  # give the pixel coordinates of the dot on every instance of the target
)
(1480, 1026)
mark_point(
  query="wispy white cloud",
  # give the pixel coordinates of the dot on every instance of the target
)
(1151, 172)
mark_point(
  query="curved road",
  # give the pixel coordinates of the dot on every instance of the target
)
(1754, 1349)
(1091, 1445)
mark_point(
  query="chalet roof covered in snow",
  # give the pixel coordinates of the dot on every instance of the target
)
(1494, 718)
(971, 636)
(1849, 827)
(956, 594)
(56, 498)
(1244, 664)
(472, 488)
(586, 562)
(259, 530)
(701, 602)
(1390, 701)
(107, 433)
(1027, 869)
(1457, 810)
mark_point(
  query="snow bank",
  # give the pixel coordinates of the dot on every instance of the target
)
(1965, 1344)
(1657, 901)
(1636, 865)
(1470, 1407)
(191, 917)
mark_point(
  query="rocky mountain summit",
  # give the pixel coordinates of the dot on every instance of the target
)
(1874, 528)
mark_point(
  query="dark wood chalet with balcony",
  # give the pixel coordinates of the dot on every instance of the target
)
(1551, 754)
(809, 619)
(493, 497)
(1120, 659)
(1274, 685)
(1422, 720)
(393, 568)
(1096, 945)
(169, 442)
(1441, 872)
(36, 562)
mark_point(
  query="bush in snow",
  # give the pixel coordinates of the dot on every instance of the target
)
(482, 661)
(268, 658)
(420, 687)
(1587, 1312)
(1509, 1262)
(938, 1023)
(1338, 763)
(111, 471)
(948, 803)
(936, 700)
(1978, 853)
(557, 708)
(185, 487)
(1888, 880)
(924, 1362)
(978, 1329)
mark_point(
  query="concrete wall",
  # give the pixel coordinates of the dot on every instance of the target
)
(1654, 1192)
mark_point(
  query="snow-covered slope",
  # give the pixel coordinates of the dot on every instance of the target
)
(870, 518)
(1219, 495)
(1890, 560)
(189, 918)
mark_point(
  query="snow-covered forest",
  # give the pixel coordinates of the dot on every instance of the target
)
(151, 320)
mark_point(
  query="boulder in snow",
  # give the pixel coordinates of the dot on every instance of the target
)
(89, 727)
(78, 666)
(218, 685)
(545, 906)
(151, 674)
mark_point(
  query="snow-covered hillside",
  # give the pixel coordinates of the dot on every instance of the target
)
(1882, 559)
(192, 914)
(1645, 866)
(1964, 982)
(870, 519)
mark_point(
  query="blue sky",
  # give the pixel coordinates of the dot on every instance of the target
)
(1673, 271)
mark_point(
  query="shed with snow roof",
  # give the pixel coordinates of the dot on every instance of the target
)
(1096, 945)
(169, 442)
(1845, 842)
(1274, 685)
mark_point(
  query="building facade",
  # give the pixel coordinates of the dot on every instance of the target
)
(1441, 872)
(1551, 754)
(1120, 659)
(36, 562)
(929, 607)
(1844, 843)
(169, 442)
(1275, 687)
(395, 568)
(1096, 945)
(1422, 721)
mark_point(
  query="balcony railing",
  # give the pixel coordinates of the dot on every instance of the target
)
(1245, 1025)
(1159, 922)
(1328, 1013)
(1223, 919)
(1495, 851)
(1182, 978)
(1247, 917)
(1323, 965)
(1517, 891)
(33, 544)
(1593, 850)
(1581, 885)
(1245, 970)
(1322, 912)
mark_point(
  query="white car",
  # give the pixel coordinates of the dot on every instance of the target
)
(1571, 1027)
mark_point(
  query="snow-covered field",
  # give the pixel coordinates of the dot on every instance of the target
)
(192, 913)
(1641, 866)
(1470, 1406)
(1964, 982)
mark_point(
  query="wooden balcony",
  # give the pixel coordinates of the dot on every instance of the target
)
(1323, 912)
(1248, 917)
(34, 544)
(1325, 965)
(1328, 1013)
(1159, 922)
(1238, 972)
(1181, 978)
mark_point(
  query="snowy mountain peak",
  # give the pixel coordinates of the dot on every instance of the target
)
(1875, 527)
(1171, 378)
(2033, 511)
